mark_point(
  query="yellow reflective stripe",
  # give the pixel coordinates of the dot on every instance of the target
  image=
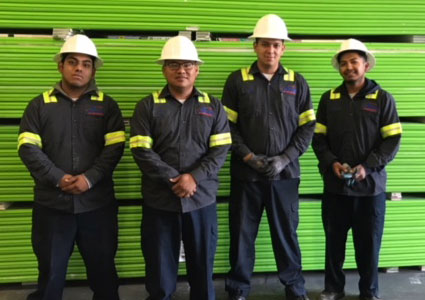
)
(99, 96)
(142, 141)
(335, 96)
(114, 137)
(156, 98)
(29, 138)
(373, 96)
(204, 99)
(390, 130)
(231, 114)
(306, 117)
(245, 74)
(49, 99)
(320, 128)
(220, 139)
(289, 76)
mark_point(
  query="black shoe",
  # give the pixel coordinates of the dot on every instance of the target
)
(370, 298)
(303, 297)
(330, 295)
(236, 298)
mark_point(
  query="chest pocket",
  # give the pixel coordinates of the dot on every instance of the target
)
(202, 123)
(94, 120)
(288, 92)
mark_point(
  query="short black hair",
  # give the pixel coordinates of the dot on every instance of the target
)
(361, 53)
(65, 55)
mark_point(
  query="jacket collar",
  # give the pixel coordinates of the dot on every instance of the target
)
(91, 89)
(255, 70)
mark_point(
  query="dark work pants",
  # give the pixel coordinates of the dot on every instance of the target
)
(162, 232)
(247, 202)
(365, 216)
(53, 236)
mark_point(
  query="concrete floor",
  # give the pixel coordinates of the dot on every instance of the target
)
(407, 284)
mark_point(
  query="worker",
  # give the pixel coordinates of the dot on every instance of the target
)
(179, 138)
(272, 122)
(71, 138)
(357, 134)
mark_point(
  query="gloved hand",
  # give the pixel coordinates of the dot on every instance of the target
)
(257, 162)
(276, 164)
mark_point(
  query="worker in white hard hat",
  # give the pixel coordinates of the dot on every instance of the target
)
(71, 137)
(357, 134)
(179, 138)
(272, 122)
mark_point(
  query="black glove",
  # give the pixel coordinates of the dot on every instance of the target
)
(276, 164)
(258, 163)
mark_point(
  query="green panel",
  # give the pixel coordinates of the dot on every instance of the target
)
(363, 17)
(405, 173)
(403, 242)
(130, 72)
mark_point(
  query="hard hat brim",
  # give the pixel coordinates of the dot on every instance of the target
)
(98, 62)
(286, 38)
(161, 61)
(370, 59)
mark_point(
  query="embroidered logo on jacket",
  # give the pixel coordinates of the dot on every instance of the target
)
(371, 107)
(206, 111)
(290, 90)
(96, 110)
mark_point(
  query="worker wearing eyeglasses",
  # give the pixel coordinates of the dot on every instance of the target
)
(179, 138)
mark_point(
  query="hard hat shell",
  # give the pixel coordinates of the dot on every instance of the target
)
(271, 26)
(353, 45)
(179, 48)
(79, 43)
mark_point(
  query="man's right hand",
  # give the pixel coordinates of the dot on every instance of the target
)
(339, 169)
(257, 162)
(66, 180)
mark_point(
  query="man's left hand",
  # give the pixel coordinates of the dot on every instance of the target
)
(276, 164)
(360, 172)
(184, 185)
(78, 187)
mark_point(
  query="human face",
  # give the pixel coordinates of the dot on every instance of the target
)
(269, 52)
(180, 74)
(77, 71)
(353, 67)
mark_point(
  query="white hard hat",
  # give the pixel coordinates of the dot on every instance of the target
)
(179, 48)
(353, 45)
(79, 43)
(272, 27)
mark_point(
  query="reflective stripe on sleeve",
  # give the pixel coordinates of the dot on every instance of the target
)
(114, 137)
(320, 128)
(220, 139)
(306, 117)
(141, 141)
(390, 130)
(231, 114)
(29, 138)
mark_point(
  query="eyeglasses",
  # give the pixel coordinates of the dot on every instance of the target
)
(188, 65)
